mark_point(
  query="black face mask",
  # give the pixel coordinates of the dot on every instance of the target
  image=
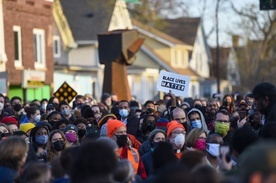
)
(151, 126)
(58, 145)
(81, 133)
(121, 140)
(17, 107)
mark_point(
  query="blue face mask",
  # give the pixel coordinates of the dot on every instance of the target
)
(123, 113)
(42, 139)
(196, 124)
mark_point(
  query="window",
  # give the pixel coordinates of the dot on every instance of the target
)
(39, 48)
(56, 46)
(17, 46)
(207, 91)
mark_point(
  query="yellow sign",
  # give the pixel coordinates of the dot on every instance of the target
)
(65, 93)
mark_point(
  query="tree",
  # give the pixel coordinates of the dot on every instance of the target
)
(257, 59)
(153, 12)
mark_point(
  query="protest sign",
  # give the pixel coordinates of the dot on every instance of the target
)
(178, 84)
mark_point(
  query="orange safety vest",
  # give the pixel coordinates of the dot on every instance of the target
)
(132, 156)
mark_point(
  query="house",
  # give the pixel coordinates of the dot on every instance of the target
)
(26, 50)
(76, 26)
(159, 51)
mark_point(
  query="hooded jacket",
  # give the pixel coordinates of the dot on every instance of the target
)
(204, 125)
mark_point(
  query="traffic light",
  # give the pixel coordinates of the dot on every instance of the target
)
(267, 4)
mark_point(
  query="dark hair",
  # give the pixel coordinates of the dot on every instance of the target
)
(15, 98)
(85, 167)
(36, 172)
(163, 155)
(125, 101)
(205, 174)
(242, 138)
(223, 111)
(191, 159)
(30, 111)
(80, 120)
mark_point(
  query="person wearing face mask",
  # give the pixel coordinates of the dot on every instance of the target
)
(17, 110)
(222, 125)
(196, 140)
(56, 144)
(2, 102)
(176, 136)
(33, 114)
(117, 131)
(155, 137)
(39, 138)
(81, 125)
(106, 103)
(228, 103)
(213, 142)
(196, 120)
(148, 124)
(71, 134)
(65, 110)
(129, 119)
(43, 107)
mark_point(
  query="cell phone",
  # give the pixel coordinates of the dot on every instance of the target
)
(225, 149)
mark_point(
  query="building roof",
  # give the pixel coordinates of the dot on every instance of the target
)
(157, 32)
(184, 29)
(183, 71)
(87, 18)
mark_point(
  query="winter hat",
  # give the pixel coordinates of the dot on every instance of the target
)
(162, 124)
(155, 131)
(9, 120)
(88, 113)
(70, 127)
(173, 125)
(112, 126)
(105, 118)
(26, 127)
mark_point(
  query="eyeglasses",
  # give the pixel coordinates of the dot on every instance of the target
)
(179, 132)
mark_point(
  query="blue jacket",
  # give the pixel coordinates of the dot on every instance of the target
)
(7, 175)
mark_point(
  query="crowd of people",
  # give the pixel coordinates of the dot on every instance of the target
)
(172, 140)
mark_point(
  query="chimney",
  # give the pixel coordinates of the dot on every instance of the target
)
(235, 40)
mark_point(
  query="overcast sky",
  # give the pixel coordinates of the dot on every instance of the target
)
(227, 17)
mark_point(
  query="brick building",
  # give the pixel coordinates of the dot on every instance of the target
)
(28, 44)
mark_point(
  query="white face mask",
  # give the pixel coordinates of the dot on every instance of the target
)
(213, 149)
(44, 106)
(179, 140)
(1, 106)
(37, 118)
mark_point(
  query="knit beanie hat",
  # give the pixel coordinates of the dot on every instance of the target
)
(173, 125)
(26, 127)
(105, 118)
(70, 127)
(162, 124)
(153, 132)
(9, 120)
(112, 126)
